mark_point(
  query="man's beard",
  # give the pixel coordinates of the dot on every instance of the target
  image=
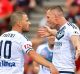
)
(25, 31)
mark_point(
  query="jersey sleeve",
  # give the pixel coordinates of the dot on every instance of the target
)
(27, 46)
(73, 31)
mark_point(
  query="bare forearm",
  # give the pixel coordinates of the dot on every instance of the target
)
(39, 59)
(76, 43)
(36, 67)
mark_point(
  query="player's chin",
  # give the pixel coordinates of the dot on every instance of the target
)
(26, 30)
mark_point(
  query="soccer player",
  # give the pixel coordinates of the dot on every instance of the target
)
(66, 42)
(13, 46)
(45, 50)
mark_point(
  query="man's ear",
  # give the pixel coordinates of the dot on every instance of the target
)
(56, 17)
(19, 23)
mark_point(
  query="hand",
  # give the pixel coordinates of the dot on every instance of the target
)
(53, 70)
(44, 31)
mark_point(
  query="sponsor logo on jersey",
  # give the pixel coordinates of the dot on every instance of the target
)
(60, 33)
(4, 63)
(58, 43)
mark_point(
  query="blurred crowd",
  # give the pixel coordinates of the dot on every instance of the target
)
(7, 7)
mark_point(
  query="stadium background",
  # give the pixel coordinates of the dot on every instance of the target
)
(36, 12)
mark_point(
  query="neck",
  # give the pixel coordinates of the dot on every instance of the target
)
(62, 22)
(17, 29)
(51, 46)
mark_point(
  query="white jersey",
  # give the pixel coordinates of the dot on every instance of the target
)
(47, 53)
(13, 46)
(64, 52)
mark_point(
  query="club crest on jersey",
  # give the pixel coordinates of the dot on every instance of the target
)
(60, 33)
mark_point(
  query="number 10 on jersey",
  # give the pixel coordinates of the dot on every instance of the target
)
(6, 47)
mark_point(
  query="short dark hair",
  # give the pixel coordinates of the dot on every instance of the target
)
(16, 16)
(59, 8)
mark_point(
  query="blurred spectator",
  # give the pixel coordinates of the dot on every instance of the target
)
(46, 51)
(68, 3)
(73, 11)
(13, 2)
(6, 8)
(78, 2)
(25, 5)
(22, 5)
(39, 2)
(32, 4)
(77, 18)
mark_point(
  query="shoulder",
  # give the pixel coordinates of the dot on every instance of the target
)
(19, 37)
(72, 29)
(72, 26)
